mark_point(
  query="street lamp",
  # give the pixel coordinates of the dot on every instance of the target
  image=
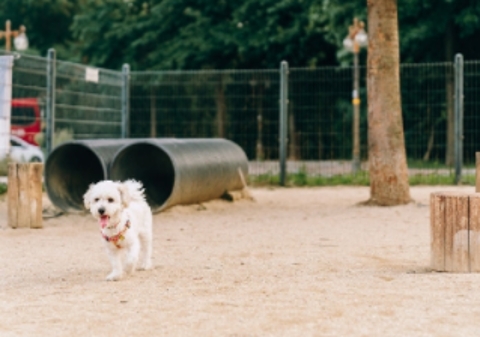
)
(356, 38)
(20, 38)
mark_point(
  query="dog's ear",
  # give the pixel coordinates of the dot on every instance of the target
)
(131, 190)
(87, 197)
(124, 194)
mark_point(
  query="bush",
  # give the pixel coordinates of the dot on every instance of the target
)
(60, 136)
(301, 178)
(3, 188)
(4, 166)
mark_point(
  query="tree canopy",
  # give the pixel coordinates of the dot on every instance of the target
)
(48, 22)
(200, 34)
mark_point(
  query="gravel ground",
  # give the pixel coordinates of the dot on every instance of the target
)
(293, 262)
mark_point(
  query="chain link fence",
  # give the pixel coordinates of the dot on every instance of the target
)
(87, 101)
(239, 105)
(244, 105)
(28, 97)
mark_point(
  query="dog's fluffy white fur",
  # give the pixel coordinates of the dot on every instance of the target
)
(125, 221)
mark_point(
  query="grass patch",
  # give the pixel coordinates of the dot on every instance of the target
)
(436, 179)
(361, 179)
(435, 165)
(301, 178)
(4, 166)
(3, 188)
(418, 164)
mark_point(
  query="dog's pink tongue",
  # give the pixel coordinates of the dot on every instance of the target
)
(103, 221)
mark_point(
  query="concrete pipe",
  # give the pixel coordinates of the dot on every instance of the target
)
(73, 166)
(182, 171)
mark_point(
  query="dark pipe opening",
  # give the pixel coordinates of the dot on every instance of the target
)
(150, 165)
(70, 169)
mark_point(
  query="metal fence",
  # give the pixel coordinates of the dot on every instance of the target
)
(74, 101)
(88, 101)
(244, 106)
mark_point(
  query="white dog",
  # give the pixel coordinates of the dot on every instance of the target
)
(125, 221)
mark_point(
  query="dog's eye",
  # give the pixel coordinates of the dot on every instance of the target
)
(96, 199)
(110, 199)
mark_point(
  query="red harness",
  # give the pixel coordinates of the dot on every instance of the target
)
(118, 237)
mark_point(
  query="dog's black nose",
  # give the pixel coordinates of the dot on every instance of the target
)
(101, 210)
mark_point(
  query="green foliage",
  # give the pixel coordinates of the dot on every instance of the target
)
(60, 136)
(301, 178)
(361, 179)
(429, 30)
(199, 34)
(3, 188)
(4, 167)
(47, 21)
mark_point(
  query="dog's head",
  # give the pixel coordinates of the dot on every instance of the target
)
(106, 201)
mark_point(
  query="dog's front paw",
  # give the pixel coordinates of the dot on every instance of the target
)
(145, 266)
(141, 268)
(114, 276)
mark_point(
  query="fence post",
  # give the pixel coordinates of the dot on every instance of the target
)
(283, 120)
(6, 64)
(50, 101)
(125, 101)
(458, 127)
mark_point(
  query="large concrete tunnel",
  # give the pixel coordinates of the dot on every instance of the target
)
(182, 171)
(73, 166)
(173, 171)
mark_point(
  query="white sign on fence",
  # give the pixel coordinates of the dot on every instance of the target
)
(91, 75)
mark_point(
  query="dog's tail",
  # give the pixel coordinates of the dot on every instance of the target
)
(132, 190)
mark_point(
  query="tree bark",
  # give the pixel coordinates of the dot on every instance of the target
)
(293, 152)
(386, 144)
(153, 114)
(449, 87)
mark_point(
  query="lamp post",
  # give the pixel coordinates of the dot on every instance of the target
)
(20, 39)
(356, 38)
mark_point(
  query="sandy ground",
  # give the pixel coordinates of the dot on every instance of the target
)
(294, 262)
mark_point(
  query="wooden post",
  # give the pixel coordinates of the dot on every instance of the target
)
(437, 231)
(455, 232)
(474, 233)
(25, 195)
(12, 195)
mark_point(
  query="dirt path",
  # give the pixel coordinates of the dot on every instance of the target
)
(296, 262)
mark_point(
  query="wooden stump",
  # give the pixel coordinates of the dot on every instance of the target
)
(455, 232)
(25, 195)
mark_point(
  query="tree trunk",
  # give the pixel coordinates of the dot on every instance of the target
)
(449, 50)
(153, 114)
(221, 108)
(258, 104)
(431, 139)
(293, 153)
(386, 143)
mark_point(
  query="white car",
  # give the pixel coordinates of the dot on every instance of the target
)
(23, 152)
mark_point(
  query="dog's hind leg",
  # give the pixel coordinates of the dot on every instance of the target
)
(132, 256)
(146, 253)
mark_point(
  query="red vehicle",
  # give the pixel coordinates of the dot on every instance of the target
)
(26, 120)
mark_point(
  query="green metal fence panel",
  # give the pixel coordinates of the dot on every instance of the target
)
(243, 106)
(87, 101)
